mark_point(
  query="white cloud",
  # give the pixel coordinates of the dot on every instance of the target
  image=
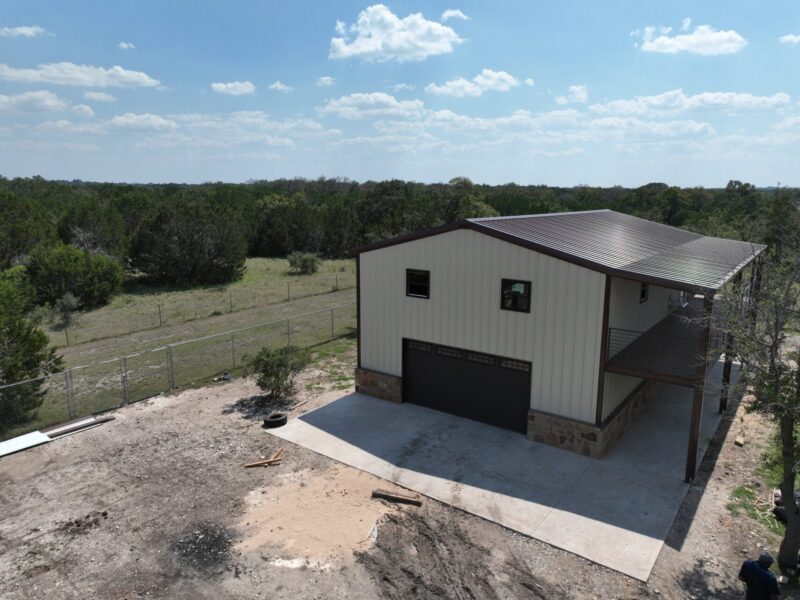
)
(234, 88)
(99, 97)
(380, 35)
(577, 94)
(530, 82)
(126, 46)
(27, 31)
(141, 121)
(67, 73)
(632, 125)
(325, 81)
(454, 13)
(789, 38)
(42, 101)
(704, 40)
(403, 87)
(686, 24)
(340, 27)
(677, 100)
(484, 81)
(358, 106)
(83, 110)
(280, 87)
(788, 123)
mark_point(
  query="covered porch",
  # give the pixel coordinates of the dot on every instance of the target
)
(680, 350)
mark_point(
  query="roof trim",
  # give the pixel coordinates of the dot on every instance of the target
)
(475, 225)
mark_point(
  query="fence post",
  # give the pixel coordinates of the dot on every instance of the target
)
(230, 297)
(170, 368)
(159, 314)
(70, 394)
(331, 324)
(288, 332)
(233, 350)
(123, 368)
(288, 293)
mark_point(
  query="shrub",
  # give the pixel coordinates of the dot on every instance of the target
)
(25, 356)
(277, 369)
(59, 269)
(303, 263)
(65, 307)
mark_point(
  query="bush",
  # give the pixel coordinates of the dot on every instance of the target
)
(59, 269)
(65, 307)
(277, 369)
(303, 263)
(25, 356)
(190, 243)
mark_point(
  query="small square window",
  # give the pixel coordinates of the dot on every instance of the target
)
(644, 292)
(418, 283)
(515, 295)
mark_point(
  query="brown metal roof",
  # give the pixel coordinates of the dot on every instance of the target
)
(632, 246)
(615, 243)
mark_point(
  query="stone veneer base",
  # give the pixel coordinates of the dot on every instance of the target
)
(379, 385)
(584, 438)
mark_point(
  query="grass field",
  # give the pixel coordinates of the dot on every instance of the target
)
(116, 369)
(266, 281)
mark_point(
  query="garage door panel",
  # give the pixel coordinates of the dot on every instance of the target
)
(482, 387)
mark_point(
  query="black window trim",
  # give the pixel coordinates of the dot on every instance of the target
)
(644, 293)
(528, 289)
(418, 271)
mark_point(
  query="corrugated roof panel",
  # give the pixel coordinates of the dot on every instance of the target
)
(630, 245)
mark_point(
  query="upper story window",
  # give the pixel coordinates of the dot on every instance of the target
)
(644, 292)
(515, 295)
(418, 283)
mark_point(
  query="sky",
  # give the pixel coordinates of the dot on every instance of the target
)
(556, 93)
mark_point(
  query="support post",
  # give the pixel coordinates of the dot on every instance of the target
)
(170, 368)
(753, 293)
(729, 344)
(123, 371)
(70, 394)
(699, 388)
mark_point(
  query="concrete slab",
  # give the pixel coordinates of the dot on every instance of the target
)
(616, 511)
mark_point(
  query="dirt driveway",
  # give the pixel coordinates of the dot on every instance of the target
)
(156, 504)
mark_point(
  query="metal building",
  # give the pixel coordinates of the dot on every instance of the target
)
(558, 325)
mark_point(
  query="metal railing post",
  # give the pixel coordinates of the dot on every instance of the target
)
(170, 368)
(70, 394)
(123, 367)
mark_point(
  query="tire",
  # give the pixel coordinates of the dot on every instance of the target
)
(276, 419)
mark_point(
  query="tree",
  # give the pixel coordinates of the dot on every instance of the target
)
(65, 308)
(768, 354)
(190, 242)
(24, 352)
(276, 370)
(23, 226)
(303, 263)
(58, 269)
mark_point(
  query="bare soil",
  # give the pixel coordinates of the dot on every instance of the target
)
(157, 504)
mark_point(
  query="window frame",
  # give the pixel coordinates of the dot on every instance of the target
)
(409, 272)
(644, 292)
(528, 293)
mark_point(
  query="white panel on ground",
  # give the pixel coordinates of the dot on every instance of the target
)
(23, 442)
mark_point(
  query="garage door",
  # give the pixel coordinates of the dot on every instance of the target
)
(482, 387)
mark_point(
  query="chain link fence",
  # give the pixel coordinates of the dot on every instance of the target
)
(88, 389)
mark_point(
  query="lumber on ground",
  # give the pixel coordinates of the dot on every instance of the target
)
(396, 497)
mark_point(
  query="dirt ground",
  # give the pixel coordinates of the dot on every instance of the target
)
(157, 504)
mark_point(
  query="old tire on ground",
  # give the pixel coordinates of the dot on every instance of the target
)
(276, 419)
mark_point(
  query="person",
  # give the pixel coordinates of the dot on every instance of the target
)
(761, 583)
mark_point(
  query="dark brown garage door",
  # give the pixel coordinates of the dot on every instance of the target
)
(482, 387)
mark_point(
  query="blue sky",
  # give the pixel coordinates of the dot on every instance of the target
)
(559, 93)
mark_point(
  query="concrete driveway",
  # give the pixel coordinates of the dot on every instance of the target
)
(615, 511)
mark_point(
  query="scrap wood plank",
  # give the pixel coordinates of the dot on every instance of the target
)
(275, 459)
(396, 497)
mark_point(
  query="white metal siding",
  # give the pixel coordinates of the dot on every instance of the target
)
(626, 312)
(560, 336)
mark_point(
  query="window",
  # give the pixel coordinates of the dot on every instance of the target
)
(515, 295)
(418, 283)
(644, 292)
